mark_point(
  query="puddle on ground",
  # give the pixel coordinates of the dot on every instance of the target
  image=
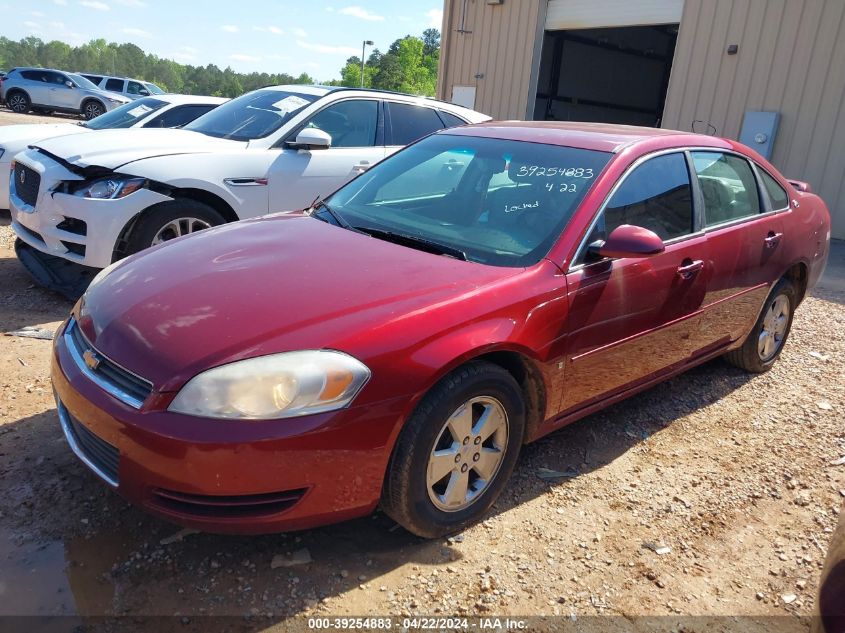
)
(57, 577)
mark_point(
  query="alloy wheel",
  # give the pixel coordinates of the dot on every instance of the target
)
(773, 332)
(178, 228)
(467, 454)
(17, 103)
(93, 110)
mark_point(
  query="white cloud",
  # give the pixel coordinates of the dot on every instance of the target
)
(300, 32)
(95, 4)
(229, 28)
(325, 48)
(240, 57)
(360, 12)
(30, 25)
(435, 18)
(57, 25)
(60, 2)
(136, 32)
(275, 30)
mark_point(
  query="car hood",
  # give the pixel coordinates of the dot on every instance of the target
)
(114, 148)
(23, 135)
(274, 284)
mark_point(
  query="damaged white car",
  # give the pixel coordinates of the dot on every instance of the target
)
(92, 199)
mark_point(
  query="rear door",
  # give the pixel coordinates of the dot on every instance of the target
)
(36, 85)
(631, 319)
(356, 126)
(744, 234)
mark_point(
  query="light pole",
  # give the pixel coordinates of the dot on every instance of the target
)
(363, 53)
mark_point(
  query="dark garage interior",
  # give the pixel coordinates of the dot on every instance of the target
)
(609, 75)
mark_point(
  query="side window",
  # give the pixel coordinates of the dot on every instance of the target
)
(450, 120)
(657, 196)
(33, 75)
(56, 78)
(728, 186)
(410, 122)
(115, 85)
(777, 194)
(350, 123)
(179, 116)
(134, 88)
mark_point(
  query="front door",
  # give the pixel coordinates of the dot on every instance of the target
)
(61, 95)
(296, 177)
(631, 319)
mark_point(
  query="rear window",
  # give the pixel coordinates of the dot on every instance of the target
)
(777, 194)
(410, 122)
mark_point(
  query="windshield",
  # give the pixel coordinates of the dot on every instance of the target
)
(154, 90)
(126, 115)
(498, 202)
(80, 81)
(254, 115)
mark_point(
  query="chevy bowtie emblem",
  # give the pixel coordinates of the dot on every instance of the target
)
(22, 176)
(92, 361)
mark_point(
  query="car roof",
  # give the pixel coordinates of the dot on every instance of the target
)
(180, 99)
(602, 137)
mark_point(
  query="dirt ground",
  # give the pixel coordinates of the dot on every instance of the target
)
(728, 476)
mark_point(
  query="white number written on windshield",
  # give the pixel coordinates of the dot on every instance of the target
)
(551, 172)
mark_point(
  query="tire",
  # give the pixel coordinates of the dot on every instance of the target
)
(92, 108)
(182, 213)
(756, 355)
(409, 497)
(18, 102)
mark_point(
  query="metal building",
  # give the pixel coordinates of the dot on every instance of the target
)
(705, 65)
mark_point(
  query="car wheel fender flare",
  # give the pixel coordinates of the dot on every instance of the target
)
(486, 340)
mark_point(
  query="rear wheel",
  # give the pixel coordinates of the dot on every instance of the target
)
(765, 342)
(18, 102)
(169, 220)
(92, 109)
(456, 452)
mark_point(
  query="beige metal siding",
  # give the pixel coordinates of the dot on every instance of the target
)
(590, 14)
(791, 60)
(497, 56)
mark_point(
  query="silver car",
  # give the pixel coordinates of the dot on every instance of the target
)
(131, 88)
(48, 90)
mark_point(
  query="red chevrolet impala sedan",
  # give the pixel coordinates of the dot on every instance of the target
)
(399, 342)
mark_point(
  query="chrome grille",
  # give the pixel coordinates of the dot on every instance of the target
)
(114, 379)
(26, 181)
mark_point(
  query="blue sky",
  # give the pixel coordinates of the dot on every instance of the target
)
(293, 36)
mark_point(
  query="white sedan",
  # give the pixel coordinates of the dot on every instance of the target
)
(94, 200)
(159, 111)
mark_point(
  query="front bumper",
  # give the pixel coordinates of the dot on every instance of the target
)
(45, 226)
(227, 476)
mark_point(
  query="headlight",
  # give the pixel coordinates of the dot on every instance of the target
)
(277, 386)
(110, 188)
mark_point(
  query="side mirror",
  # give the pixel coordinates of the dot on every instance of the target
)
(144, 93)
(313, 138)
(629, 241)
(69, 83)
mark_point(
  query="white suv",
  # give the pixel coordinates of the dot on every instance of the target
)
(131, 88)
(94, 198)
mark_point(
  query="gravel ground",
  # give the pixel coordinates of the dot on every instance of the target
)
(712, 494)
(7, 117)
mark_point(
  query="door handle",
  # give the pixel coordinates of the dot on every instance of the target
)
(689, 268)
(361, 167)
(773, 239)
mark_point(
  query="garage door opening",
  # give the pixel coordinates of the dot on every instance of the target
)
(608, 75)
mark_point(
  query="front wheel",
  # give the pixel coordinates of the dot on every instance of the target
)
(169, 220)
(765, 342)
(456, 452)
(92, 109)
